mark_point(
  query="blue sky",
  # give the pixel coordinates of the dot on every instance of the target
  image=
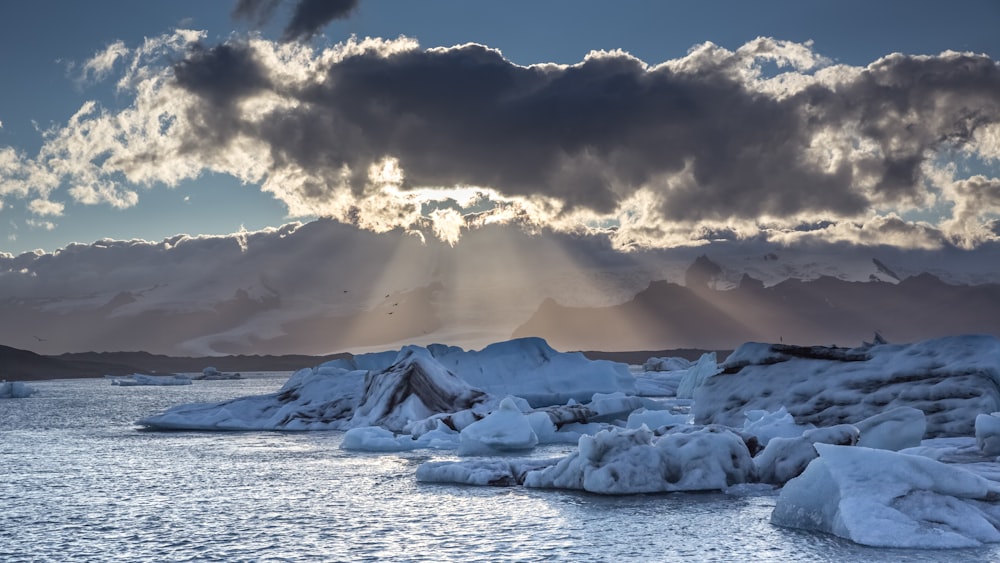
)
(47, 43)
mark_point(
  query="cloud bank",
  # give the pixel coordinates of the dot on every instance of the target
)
(770, 139)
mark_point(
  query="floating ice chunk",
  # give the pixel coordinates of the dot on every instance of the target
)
(530, 368)
(666, 364)
(504, 430)
(656, 418)
(888, 499)
(137, 379)
(895, 429)
(658, 383)
(376, 439)
(15, 390)
(494, 472)
(778, 424)
(309, 400)
(212, 374)
(785, 458)
(696, 375)
(413, 388)
(988, 433)
(627, 461)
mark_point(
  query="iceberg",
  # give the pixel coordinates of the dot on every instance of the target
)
(883, 498)
(378, 439)
(415, 387)
(506, 429)
(988, 433)
(529, 368)
(950, 379)
(212, 374)
(420, 387)
(15, 390)
(139, 379)
(483, 472)
(696, 375)
(784, 458)
(766, 425)
(622, 461)
(895, 429)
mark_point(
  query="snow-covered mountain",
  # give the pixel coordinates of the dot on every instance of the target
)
(325, 287)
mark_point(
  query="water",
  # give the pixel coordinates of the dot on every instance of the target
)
(81, 483)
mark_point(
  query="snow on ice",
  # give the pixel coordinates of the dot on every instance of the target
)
(888, 499)
(886, 445)
(950, 379)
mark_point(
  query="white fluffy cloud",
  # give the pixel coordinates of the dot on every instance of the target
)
(379, 132)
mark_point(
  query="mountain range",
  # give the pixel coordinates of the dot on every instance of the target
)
(825, 310)
(324, 287)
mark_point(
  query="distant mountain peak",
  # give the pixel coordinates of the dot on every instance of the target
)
(882, 268)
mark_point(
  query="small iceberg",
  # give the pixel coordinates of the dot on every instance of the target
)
(137, 379)
(212, 374)
(15, 390)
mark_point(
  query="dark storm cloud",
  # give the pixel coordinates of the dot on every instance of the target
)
(308, 16)
(256, 11)
(708, 140)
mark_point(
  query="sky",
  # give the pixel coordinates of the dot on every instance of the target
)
(671, 121)
(281, 155)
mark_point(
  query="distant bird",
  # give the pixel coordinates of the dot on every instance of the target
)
(390, 312)
(394, 304)
(40, 339)
(345, 291)
(386, 295)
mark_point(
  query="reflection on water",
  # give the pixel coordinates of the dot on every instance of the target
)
(82, 483)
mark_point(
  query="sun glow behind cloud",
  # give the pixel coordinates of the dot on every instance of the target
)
(771, 140)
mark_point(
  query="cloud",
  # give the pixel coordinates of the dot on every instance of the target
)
(46, 207)
(663, 154)
(101, 64)
(308, 16)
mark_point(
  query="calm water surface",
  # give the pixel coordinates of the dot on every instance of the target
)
(79, 482)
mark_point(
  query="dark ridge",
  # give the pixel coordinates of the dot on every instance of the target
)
(639, 357)
(22, 365)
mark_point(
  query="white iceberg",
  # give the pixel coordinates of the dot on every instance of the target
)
(785, 458)
(666, 364)
(15, 390)
(696, 375)
(506, 429)
(888, 499)
(988, 433)
(656, 418)
(622, 461)
(894, 429)
(210, 373)
(778, 424)
(378, 439)
(529, 368)
(330, 398)
(950, 379)
(420, 385)
(139, 379)
(481, 472)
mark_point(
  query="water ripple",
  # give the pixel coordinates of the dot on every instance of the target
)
(82, 484)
